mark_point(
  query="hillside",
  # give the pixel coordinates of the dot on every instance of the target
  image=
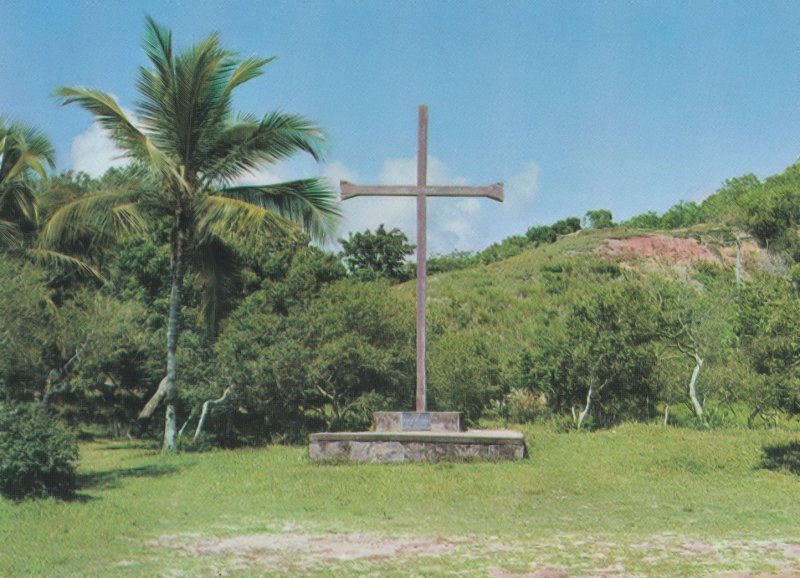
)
(516, 324)
(581, 323)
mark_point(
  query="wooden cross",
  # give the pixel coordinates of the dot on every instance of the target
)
(422, 191)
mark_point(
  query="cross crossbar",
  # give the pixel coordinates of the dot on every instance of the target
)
(349, 190)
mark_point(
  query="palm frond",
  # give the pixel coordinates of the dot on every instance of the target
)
(158, 46)
(18, 200)
(230, 219)
(64, 261)
(103, 214)
(247, 144)
(24, 149)
(203, 73)
(248, 69)
(110, 116)
(231, 76)
(134, 143)
(10, 235)
(184, 97)
(307, 202)
(24, 154)
(217, 268)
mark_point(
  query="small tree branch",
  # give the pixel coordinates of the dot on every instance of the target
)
(204, 413)
(585, 412)
(186, 423)
(698, 407)
(57, 379)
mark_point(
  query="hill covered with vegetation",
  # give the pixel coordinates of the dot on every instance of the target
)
(692, 322)
(167, 284)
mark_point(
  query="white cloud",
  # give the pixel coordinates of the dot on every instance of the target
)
(522, 187)
(337, 171)
(93, 152)
(404, 172)
(363, 213)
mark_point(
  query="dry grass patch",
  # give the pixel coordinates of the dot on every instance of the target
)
(292, 552)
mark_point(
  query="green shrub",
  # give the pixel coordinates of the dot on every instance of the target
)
(37, 454)
(524, 406)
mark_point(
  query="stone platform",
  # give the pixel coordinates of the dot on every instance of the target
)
(414, 437)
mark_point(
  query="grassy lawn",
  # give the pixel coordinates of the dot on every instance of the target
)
(637, 500)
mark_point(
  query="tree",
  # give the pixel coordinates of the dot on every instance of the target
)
(768, 316)
(193, 148)
(542, 234)
(683, 325)
(648, 220)
(24, 154)
(771, 212)
(27, 336)
(683, 214)
(598, 219)
(550, 233)
(606, 358)
(725, 205)
(328, 362)
(567, 226)
(371, 255)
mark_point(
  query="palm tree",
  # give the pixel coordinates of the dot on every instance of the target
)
(194, 149)
(24, 154)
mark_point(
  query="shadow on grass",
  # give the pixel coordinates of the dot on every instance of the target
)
(110, 479)
(785, 457)
(132, 445)
(101, 480)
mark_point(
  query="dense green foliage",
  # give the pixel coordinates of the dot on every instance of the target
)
(383, 253)
(28, 348)
(521, 331)
(38, 456)
(327, 362)
(598, 219)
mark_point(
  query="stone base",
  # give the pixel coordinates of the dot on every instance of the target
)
(417, 446)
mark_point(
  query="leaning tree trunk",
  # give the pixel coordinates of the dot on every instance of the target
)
(173, 329)
(698, 407)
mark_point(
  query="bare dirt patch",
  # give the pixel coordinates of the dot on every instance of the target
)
(313, 547)
(302, 552)
(298, 552)
(674, 250)
(542, 573)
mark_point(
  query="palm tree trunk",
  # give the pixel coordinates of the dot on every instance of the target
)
(173, 330)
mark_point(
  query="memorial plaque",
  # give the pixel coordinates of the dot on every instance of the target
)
(416, 421)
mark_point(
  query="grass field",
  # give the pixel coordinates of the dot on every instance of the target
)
(636, 500)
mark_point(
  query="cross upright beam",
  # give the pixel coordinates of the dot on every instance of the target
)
(422, 191)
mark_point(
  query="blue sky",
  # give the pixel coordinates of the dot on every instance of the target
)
(629, 106)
